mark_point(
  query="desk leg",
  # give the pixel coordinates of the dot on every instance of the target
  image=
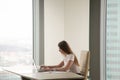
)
(23, 78)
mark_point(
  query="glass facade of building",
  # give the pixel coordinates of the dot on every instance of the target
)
(113, 40)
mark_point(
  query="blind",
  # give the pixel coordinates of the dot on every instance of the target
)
(113, 40)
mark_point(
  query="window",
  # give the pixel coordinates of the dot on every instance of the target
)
(113, 40)
(16, 34)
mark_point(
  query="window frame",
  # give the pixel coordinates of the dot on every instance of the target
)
(38, 25)
(103, 39)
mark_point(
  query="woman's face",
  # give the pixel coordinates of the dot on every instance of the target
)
(61, 51)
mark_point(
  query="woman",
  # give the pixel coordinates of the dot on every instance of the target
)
(69, 63)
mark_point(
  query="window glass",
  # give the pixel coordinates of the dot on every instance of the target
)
(16, 34)
(113, 40)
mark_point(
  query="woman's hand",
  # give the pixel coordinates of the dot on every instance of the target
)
(46, 68)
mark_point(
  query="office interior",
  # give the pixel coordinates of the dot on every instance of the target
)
(80, 22)
(63, 20)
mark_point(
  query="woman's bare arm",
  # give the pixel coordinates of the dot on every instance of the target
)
(66, 67)
(57, 66)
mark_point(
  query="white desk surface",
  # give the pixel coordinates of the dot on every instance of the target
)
(31, 73)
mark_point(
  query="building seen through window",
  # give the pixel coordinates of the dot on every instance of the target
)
(113, 40)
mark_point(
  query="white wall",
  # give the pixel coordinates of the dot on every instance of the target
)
(54, 30)
(77, 24)
(65, 20)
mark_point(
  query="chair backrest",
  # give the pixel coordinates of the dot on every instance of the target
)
(84, 63)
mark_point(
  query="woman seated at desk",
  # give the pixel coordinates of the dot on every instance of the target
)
(69, 63)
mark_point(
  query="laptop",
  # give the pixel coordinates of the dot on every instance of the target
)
(38, 69)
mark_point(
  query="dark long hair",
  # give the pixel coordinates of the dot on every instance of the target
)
(66, 48)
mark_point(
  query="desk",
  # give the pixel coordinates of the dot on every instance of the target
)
(28, 73)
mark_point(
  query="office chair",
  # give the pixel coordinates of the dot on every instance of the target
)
(84, 63)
